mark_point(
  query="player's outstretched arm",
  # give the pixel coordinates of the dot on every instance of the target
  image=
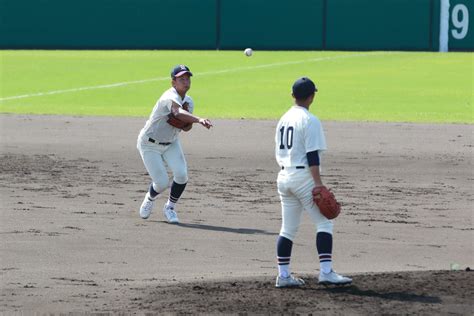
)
(205, 122)
(187, 127)
(185, 116)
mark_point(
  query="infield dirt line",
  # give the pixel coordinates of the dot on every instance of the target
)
(210, 73)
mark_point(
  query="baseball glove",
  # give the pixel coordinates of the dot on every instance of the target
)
(175, 122)
(326, 202)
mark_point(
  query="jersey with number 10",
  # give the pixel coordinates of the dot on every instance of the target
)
(298, 132)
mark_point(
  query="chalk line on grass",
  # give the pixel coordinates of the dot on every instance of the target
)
(209, 73)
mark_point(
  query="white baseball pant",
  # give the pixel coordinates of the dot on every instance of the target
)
(294, 188)
(155, 156)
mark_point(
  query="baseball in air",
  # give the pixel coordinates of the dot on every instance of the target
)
(248, 52)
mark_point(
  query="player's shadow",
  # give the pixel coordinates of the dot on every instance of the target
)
(245, 231)
(397, 296)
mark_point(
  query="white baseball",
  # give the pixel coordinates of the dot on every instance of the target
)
(248, 52)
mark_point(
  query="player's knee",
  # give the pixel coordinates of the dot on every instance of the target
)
(287, 235)
(289, 232)
(160, 185)
(180, 177)
(325, 227)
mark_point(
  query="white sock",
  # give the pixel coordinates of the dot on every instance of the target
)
(326, 266)
(284, 270)
(170, 204)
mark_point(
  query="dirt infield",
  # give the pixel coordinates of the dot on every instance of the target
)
(72, 240)
(423, 292)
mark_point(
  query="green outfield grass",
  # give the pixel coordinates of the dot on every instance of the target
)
(356, 86)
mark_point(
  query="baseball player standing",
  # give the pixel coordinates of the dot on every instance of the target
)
(158, 143)
(299, 141)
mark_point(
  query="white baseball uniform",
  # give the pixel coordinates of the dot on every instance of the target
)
(158, 142)
(298, 132)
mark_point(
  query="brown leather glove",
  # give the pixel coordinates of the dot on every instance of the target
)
(175, 122)
(326, 202)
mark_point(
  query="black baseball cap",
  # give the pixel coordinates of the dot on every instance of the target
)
(303, 88)
(180, 70)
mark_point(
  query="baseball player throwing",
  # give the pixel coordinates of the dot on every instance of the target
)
(158, 142)
(299, 141)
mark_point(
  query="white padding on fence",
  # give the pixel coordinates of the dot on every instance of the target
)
(444, 26)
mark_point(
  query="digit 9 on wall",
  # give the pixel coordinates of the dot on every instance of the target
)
(460, 21)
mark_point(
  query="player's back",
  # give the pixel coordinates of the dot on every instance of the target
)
(290, 137)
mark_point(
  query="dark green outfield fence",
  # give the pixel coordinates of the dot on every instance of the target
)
(108, 24)
(234, 24)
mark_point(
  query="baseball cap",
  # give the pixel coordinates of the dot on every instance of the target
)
(303, 88)
(180, 70)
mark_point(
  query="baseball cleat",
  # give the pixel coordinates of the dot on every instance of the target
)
(333, 278)
(147, 206)
(170, 214)
(290, 281)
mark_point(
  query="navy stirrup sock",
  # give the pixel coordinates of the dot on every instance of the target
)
(176, 191)
(152, 192)
(324, 246)
(284, 246)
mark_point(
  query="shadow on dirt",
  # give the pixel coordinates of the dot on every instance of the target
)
(246, 231)
(399, 296)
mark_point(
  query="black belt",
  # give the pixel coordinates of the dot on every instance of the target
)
(151, 140)
(297, 167)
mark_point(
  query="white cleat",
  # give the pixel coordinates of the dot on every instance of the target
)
(147, 206)
(290, 281)
(333, 278)
(170, 214)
